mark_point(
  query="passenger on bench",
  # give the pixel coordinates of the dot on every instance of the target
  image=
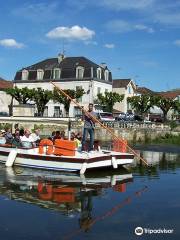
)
(27, 140)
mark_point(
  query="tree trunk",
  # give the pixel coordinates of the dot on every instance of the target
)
(165, 115)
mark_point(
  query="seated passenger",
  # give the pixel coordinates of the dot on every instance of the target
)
(57, 135)
(63, 135)
(52, 136)
(16, 140)
(73, 138)
(2, 138)
(27, 141)
(36, 136)
(79, 136)
(8, 136)
(21, 132)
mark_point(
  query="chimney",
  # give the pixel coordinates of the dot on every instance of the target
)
(103, 65)
(61, 56)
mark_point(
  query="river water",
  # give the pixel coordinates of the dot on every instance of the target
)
(102, 205)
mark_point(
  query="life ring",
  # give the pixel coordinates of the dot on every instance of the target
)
(46, 143)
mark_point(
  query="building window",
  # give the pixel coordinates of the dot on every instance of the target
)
(57, 111)
(106, 90)
(57, 73)
(77, 112)
(25, 74)
(106, 73)
(40, 74)
(98, 90)
(98, 73)
(79, 72)
(79, 88)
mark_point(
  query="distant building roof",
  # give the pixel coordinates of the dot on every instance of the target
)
(5, 84)
(143, 90)
(121, 83)
(170, 94)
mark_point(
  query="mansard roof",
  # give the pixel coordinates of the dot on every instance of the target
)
(68, 67)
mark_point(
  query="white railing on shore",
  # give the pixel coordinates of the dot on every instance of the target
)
(78, 123)
(136, 125)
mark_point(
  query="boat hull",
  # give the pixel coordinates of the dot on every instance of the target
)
(81, 162)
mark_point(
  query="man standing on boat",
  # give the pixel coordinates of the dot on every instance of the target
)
(89, 126)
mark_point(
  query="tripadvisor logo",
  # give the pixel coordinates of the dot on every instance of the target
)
(139, 231)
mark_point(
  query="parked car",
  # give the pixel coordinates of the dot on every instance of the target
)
(138, 118)
(129, 116)
(122, 116)
(106, 117)
(4, 114)
(156, 118)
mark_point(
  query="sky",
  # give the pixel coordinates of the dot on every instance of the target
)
(138, 39)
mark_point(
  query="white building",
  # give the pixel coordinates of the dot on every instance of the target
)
(126, 87)
(67, 73)
(5, 100)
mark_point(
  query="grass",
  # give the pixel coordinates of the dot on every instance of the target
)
(168, 138)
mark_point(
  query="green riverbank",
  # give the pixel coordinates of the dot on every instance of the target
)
(168, 138)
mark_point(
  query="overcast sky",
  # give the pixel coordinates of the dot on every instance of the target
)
(137, 39)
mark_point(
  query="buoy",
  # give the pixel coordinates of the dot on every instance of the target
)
(11, 158)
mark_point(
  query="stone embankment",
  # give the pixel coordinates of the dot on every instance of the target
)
(132, 131)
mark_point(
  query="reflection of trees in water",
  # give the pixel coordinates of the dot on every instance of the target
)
(162, 162)
(169, 161)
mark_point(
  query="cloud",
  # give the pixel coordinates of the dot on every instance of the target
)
(71, 33)
(128, 4)
(143, 27)
(177, 42)
(121, 26)
(168, 18)
(109, 45)
(11, 43)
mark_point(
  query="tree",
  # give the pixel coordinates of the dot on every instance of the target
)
(60, 98)
(165, 104)
(22, 95)
(41, 97)
(109, 99)
(141, 104)
(176, 106)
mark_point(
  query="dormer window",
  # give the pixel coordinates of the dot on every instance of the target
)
(25, 74)
(57, 73)
(106, 75)
(98, 73)
(79, 72)
(40, 74)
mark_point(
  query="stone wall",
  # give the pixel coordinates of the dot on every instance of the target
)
(53, 124)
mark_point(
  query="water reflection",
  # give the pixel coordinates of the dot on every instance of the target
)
(81, 202)
(64, 192)
(159, 162)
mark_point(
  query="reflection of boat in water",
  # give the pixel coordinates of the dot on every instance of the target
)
(62, 159)
(62, 192)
